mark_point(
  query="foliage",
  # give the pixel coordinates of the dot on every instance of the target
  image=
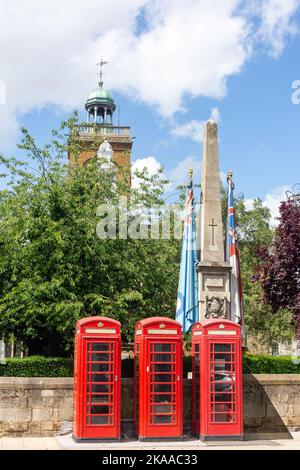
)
(255, 234)
(37, 366)
(279, 271)
(259, 364)
(187, 342)
(54, 269)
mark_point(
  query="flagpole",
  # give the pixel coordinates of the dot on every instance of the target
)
(232, 256)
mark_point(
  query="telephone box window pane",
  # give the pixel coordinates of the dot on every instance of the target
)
(163, 409)
(160, 388)
(103, 357)
(101, 378)
(100, 347)
(222, 347)
(162, 378)
(222, 383)
(162, 419)
(163, 367)
(99, 410)
(99, 420)
(162, 358)
(223, 407)
(223, 357)
(100, 399)
(162, 347)
(100, 367)
(222, 367)
(223, 418)
(221, 397)
(100, 388)
(162, 398)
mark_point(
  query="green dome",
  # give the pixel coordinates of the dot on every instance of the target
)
(100, 96)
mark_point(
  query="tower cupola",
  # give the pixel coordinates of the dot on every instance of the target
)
(100, 104)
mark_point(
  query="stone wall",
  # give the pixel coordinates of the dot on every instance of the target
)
(33, 406)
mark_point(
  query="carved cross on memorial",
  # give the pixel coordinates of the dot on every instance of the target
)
(213, 226)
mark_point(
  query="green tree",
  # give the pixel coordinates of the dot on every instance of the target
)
(54, 269)
(255, 233)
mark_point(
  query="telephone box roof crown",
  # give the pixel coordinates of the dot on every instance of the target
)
(152, 320)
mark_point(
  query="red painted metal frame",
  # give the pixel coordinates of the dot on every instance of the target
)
(97, 379)
(158, 379)
(217, 401)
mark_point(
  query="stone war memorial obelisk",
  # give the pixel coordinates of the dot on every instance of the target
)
(213, 270)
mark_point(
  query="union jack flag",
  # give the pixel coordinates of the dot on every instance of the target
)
(232, 256)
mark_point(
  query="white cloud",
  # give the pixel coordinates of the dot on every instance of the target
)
(272, 201)
(215, 114)
(190, 47)
(180, 174)
(150, 163)
(2, 92)
(48, 50)
(277, 23)
(194, 129)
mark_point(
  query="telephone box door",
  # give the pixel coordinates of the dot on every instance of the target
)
(164, 382)
(224, 400)
(101, 409)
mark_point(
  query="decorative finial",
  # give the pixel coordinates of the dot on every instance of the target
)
(229, 178)
(191, 172)
(229, 175)
(101, 63)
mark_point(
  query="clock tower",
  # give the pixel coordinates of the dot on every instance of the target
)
(99, 137)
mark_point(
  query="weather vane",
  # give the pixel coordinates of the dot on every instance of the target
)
(101, 64)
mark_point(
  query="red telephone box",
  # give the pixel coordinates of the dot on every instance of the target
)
(217, 380)
(158, 379)
(97, 380)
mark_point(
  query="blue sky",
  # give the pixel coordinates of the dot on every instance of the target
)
(166, 93)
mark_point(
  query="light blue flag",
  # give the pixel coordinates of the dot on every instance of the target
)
(187, 298)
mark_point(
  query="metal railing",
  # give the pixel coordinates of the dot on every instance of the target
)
(102, 129)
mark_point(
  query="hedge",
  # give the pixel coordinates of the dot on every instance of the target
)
(37, 366)
(258, 364)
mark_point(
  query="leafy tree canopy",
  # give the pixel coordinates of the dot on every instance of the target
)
(279, 271)
(54, 269)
